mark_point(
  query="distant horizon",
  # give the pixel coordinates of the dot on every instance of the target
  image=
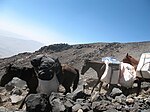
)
(9, 48)
(28, 39)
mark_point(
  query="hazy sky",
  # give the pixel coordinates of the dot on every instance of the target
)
(77, 21)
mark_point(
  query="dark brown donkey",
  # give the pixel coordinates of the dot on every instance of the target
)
(134, 62)
(69, 76)
(24, 73)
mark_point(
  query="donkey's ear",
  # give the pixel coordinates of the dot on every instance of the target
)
(127, 55)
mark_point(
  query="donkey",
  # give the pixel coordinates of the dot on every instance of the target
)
(98, 67)
(24, 73)
(134, 62)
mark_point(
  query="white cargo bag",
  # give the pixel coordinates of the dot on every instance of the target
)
(111, 73)
(127, 75)
(123, 74)
(143, 68)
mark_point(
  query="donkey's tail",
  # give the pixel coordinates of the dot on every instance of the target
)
(76, 81)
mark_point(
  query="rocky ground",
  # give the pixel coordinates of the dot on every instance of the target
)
(80, 100)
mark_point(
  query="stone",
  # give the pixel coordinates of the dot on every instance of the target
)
(57, 105)
(2, 89)
(111, 110)
(146, 110)
(85, 108)
(9, 87)
(80, 110)
(3, 109)
(90, 111)
(37, 103)
(129, 101)
(147, 101)
(120, 98)
(15, 98)
(80, 95)
(96, 103)
(3, 98)
(101, 105)
(68, 104)
(18, 82)
(54, 96)
(76, 107)
(56, 101)
(16, 91)
(116, 92)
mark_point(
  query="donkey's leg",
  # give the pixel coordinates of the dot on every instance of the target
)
(139, 87)
(76, 81)
(98, 81)
(67, 90)
(67, 87)
(138, 81)
(111, 86)
(100, 86)
(107, 95)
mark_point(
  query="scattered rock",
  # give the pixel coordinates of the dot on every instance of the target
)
(68, 104)
(37, 103)
(147, 101)
(111, 110)
(16, 91)
(9, 87)
(3, 98)
(15, 98)
(116, 92)
(76, 107)
(129, 101)
(3, 109)
(80, 110)
(80, 94)
(57, 105)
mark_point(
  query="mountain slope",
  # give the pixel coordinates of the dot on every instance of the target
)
(76, 54)
(12, 46)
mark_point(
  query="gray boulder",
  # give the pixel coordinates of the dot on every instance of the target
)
(37, 103)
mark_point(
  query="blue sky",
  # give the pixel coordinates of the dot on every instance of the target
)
(77, 21)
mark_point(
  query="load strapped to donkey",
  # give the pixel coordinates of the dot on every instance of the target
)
(48, 72)
(143, 68)
(118, 73)
(126, 73)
